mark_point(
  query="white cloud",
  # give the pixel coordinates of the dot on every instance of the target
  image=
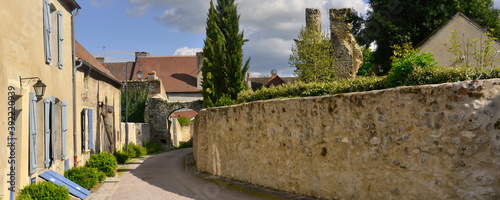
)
(270, 25)
(184, 51)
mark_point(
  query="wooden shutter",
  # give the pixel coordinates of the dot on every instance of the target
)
(53, 128)
(91, 129)
(46, 31)
(32, 146)
(46, 102)
(64, 129)
(60, 38)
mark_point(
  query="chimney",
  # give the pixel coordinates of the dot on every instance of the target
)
(100, 59)
(199, 65)
(152, 76)
(141, 54)
(249, 82)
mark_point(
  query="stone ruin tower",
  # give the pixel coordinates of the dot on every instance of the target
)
(347, 51)
(313, 18)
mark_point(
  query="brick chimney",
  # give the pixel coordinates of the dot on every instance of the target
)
(100, 59)
(141, 54)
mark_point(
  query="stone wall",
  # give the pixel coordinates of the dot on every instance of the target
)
(422, 142)
(138, 133)
(157, 112)
(347, 51)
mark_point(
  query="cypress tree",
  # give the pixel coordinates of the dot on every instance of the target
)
(222, 70)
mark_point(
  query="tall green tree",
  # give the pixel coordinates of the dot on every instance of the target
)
(395, 22)
(223, 70)
(313, 56)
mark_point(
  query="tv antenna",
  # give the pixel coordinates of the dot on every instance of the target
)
(103, 49)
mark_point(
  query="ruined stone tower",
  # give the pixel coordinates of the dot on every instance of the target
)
(313, 18)
(347, 51)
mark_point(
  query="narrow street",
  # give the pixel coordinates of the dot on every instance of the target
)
(167, 176)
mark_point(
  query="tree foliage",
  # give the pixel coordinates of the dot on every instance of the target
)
(223, 70)
(368, 60)
(136, 104)
(313, 56)
(392, 22)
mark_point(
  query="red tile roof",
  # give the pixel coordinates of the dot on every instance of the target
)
(177, 73)
(187, 113)
(83, 54)
(118, 69)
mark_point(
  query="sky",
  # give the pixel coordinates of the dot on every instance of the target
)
(116, 29)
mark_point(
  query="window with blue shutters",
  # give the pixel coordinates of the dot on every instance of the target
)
(64, 128)
(60, 38)
(33, 132)
(53, 130)
(84, 125)
(47, 31)
(46, 102)
(91, 129)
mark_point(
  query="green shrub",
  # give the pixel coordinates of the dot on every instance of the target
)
(121, 157)
(152, 147)
(43, 190)
(184, 121)
(131, 151)
(105, 162)
(87, 177)
(140, 151)
(403, 67)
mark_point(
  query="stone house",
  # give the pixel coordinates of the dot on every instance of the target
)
(98, 103)
(466, 30)
(179, 75)
(36, 42)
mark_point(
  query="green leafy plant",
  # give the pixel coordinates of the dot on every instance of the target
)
(105, 162)
(121, 157)
(404, 65)
(136, 104)
(467, 48)
(368, 61)
(43, 190)
(135, 151)
(87, 177)
(153, 147)
(184, 121)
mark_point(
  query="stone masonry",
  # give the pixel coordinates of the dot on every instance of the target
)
(347, 51)
(421, 142)
(313, 18)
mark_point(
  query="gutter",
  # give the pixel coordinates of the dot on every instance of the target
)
(74, 85)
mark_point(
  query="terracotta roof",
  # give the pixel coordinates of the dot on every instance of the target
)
(83, 54)
(186, 113)
(177, 73)
(258, 83)
(118, 69)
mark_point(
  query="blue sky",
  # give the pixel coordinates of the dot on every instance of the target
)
(177, 27)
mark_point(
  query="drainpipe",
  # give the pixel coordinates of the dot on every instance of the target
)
(74, 83)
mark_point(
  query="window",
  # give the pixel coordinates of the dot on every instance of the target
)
(52, 32)
(33, 132)
(84, 125)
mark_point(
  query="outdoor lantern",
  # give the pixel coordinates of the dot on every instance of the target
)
(139, 74)
(39, 88)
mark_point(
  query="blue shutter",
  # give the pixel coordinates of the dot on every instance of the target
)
(32, 107)
(64, 129)
(83, 129)
(46, 31)
(46, 102)
(53, 128)
(91, 130)
(60, 37)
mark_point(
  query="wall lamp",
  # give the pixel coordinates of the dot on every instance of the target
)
(39, 86)
(139, 74)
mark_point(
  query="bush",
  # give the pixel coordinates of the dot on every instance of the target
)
(152, 147)
(141, 151)
(184, 121)
(403, 67)
(87, 177)
(105, 162)
(121, 157)
(43, 190)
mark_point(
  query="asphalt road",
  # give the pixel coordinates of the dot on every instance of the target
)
(167, 176)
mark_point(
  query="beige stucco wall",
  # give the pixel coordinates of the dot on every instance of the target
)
(93, 89)
(465, 30)
(22, 54)
(423, 142)
(184, 133)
